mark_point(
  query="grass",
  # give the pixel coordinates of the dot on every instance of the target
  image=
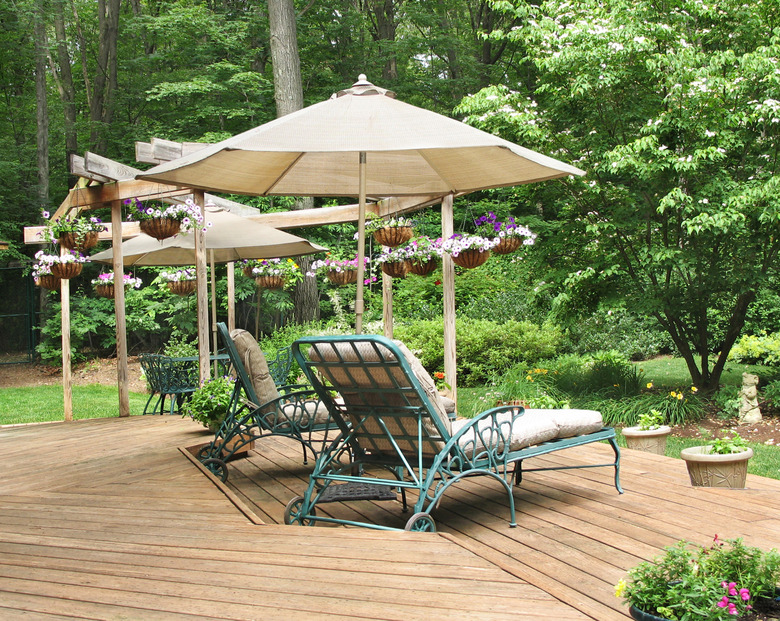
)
(672, 373)
(45, 403)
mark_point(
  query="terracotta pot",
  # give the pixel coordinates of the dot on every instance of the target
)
(714, 469)
(70, 241)
(160, 228)
(471, 258)
(344, 277)
(105, 290)
(66, 270)
(423, 268)
(396, 269)
(270, 282)
(181, 287)
(507, 245)
(48, 281)
(650, 440)
(393, 236)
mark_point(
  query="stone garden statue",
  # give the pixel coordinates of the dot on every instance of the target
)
(748, 399)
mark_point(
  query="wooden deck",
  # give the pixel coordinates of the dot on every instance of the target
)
(109, 519)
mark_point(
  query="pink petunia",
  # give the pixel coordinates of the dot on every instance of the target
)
(744, 594)
(724, 602)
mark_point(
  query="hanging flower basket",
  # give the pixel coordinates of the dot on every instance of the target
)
(48, 281)
(423, 267)
(396, 269)
(344, 277)
(105, 291)
(507, 245)
(74, 241)
(181, 287)
(470, 259)
(160, 228)
(393, 236)
(248, 271)
(66, 270)
(270, 282)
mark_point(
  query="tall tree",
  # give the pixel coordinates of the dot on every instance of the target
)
(674, 114)
(42, 116)
(288, 93)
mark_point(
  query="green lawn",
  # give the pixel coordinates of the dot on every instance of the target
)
(45, 403)
(667, 372)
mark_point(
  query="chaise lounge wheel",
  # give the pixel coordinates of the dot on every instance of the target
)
(421, 522)
(217, 467)
(292, 513)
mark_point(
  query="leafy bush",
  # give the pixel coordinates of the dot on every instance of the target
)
(532, 386)
(608, 373)
(751, 349)
(727, 400)
(484, 348)
(210, 403)
(637, 338)
(772, 394)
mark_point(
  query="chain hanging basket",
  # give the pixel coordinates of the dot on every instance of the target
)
(345, 277)
(181, 287)
(470, 259)
(48, 281)
(66, 270)
(71, 241)
(160, 228)
(393, 236)
(423, 268)
(507, 245)
(105, 290)
(270, 281)
(248, 271)
(396, 269)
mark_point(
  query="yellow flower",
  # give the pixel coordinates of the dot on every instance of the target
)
(649, 384)
(529, 378)
(680, 397)
(694, 389)
(620, 588)
(673, 394)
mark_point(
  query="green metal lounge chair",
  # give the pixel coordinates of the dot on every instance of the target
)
(175, 378)
(396, 435)
(260, 408)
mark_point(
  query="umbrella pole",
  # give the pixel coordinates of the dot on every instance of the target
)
(361, 245)
(448, 280)
(213, 309)
(202, 285)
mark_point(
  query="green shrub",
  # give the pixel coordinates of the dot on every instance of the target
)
(210, 403)
(751, 349)
(625, 412)
(637, 338)
(727, 401)
(532, 386)
(771, 393)
(485, 349)
(608, 373)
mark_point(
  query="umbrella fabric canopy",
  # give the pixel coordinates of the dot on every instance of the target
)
(230, 238)
(315, 152)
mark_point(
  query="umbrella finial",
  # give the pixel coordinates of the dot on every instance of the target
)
(364, 87)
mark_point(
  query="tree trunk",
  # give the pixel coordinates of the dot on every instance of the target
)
(288, 94)
(42, 114)
(64, 79)
(105, 82)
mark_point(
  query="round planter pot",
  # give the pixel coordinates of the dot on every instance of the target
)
(423, 268)
(105, 291)
(66, 270)
(714, 469)
(345, 277)
(181, 287)
(160, 228)
(640, 615)
(470, 259)
(270, 281)
(650, 440)
(396, 269)
(72, 242)
(507, 245)
(393, 236)
(48, 281)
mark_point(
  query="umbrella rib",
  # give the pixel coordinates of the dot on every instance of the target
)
(450, 187)
(281, 177)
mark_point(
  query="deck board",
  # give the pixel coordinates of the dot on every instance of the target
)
(109, 519)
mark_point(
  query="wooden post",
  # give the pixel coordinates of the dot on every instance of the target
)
(119, 309)
(202, 290)
(231, 293)
(387, 305)
(448, 283)
(67, 380)
(213, 275)
(361, 253)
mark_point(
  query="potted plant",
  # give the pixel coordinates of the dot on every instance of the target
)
(689, 582)
(104, 284)
(180, 282)
(649, 434)
(65, 265)
(394, 261)
(424, 254)
(337, 271)
(469, 251)
(510, 234)
(720, 464)
(74, 233)
(162, 221)
(274, 273)
(210, 404)
(391, 232)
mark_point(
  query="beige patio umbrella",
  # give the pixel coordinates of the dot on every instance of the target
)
(363, 143)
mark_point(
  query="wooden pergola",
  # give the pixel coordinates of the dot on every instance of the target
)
(105, 183)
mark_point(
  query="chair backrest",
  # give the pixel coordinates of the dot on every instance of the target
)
(249, 364)
(280, 366)
(169, 375)
(390, 409)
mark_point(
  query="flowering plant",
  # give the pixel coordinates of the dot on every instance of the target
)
(43, 261)
(490, 226)
(330, 264)
(460, 242)
(210, 404)
(423, 248)
(285, 268)
(692, 582)
(80, 226)
(187, 214)
(391, 255)
(107, 278)
(375, 223)
(187, 273)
